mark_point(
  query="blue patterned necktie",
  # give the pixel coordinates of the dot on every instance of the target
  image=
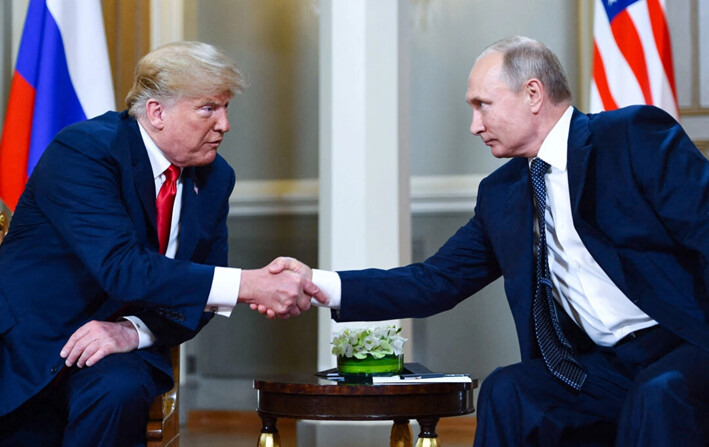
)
(556, 350)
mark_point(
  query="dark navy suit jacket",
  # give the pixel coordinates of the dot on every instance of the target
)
(640, 203)
(83, 246)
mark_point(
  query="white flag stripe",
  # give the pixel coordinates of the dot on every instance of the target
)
(623, 85)
(621, 80)
(659, 84)
(80, 23)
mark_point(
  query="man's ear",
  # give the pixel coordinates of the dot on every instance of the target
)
(155, 113)
(534, 91)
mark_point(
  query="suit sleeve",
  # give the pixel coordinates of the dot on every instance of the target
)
(462, 266)
(78, 185)
(674, 178)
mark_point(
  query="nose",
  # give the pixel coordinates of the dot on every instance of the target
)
(476, 125)
(222, 123)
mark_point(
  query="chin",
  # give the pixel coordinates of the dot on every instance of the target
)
(206, 159)
(499, 153)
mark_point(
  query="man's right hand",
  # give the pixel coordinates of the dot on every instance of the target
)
(281, 289)
(97, 339)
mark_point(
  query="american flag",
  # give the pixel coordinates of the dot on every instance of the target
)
(632, 56)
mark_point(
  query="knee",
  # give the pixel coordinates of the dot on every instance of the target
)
(115, 384)
(125, 392)
(500, 387)
(660, 390)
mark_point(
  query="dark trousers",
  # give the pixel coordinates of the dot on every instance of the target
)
(103, 405)
(651, 391)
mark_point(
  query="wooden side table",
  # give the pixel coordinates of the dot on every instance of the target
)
(311, 397)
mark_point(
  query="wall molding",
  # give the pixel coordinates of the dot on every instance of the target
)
(429, 194)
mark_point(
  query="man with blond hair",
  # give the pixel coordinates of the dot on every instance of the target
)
(117, 251)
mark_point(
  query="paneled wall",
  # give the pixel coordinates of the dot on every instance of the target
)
(689, 25)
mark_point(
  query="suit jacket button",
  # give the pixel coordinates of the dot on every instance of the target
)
(55, 368)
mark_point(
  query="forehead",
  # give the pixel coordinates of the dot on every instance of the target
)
(198, 100)
(484, 77)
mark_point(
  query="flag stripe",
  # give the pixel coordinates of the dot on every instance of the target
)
(56, 59)
(31, 43)
(90, 76)
(661, 32)
(659, 83)
(622, 84)
(630, 45)
(632, 56)
(599, 77)
(13, 162)
(54, 87)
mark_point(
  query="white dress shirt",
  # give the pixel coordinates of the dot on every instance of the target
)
(224, 292)
(582, 288)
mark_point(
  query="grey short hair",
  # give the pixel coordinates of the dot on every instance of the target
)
(190, 69)
(525, 58)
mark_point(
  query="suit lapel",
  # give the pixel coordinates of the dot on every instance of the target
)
(144, 183)
(517, 226)
(584, 201)
(579, 151)
(142, 174)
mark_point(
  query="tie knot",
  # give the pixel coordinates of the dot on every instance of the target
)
(171, 173)
(539, 167)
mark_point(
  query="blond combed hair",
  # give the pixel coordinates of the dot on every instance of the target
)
(182, 69)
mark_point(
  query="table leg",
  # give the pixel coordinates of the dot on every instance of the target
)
(269, 433)
(428, 436)
(401, 434)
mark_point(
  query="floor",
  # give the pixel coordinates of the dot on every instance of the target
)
(237, 429)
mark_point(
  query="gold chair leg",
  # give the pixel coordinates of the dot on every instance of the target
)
(269, 433)
(401, 434)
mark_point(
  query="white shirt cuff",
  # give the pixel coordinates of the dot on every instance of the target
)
(145, 336)
(328, 282)
(225, 291)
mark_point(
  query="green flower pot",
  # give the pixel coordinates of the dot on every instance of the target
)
(388, 365)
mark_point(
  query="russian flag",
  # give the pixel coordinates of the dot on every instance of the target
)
(62, 76)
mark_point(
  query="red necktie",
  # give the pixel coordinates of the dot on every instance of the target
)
(163, 205)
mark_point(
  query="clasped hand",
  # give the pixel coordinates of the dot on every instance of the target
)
(281, 289)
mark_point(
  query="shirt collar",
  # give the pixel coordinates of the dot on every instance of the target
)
(158, 162)
(554, 146)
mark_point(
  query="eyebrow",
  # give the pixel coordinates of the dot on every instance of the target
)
(213, 103)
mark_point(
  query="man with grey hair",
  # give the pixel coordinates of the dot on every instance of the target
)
(118, 250)
(598, 224)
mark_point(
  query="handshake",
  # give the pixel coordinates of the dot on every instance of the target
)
(282, 289)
